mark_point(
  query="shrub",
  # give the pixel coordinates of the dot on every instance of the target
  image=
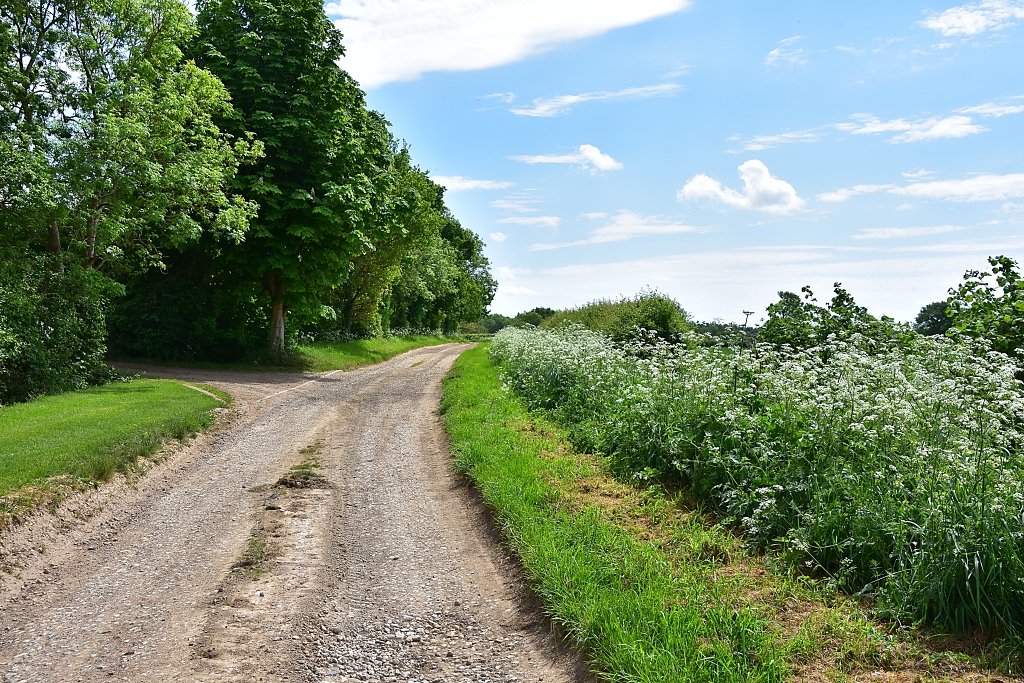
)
(621, 319)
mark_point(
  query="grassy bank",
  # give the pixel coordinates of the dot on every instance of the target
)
(646, 582)
(91, 434)
(324, 356)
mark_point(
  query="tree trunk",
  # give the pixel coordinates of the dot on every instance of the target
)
(277, 312)
(53, 233)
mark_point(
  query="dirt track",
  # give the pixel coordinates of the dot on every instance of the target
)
(386, 572)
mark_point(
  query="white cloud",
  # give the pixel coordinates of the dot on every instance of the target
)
(1012, 206)
(512, 204)
(624, 226)
(906, 206)
(588, 156)
(975, 18)
(498, 236)
(933, 128)
(992, 109)
(981, 188)
(759, 142)
(785, 54)
(761, 191)
(457, 183)
(889, 233)
(398, 40)
(506, 97)
(546, 221)
(845, 193)
(553, 106)
(851, 50)
(918, 174)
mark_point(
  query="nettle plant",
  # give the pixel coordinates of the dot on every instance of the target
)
(893, 467)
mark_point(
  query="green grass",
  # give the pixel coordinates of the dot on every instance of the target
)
(348, 355)
(650, 585)
(93, 433)
(616, 595)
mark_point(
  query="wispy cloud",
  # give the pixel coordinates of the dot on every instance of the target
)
(399, 40)
(974, 18)
(851, 50)
(786, 54)
(933, 128)
(759, 142)
(498, 236)
(761, 191)
(980, 188)
(457, 183)
(506, 97)
(562, 104)
(890, 233)
(588, 157)
(515, 204)
(624, 225)
(992, 109)
(546, 221)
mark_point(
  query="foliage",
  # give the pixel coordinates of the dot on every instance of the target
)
(51, 327)
(95, 432)
(933, 319)
(323, 186)
(802, 323)
(623, 318)
(636, 616)
(893, 468)
(980, 311)
(190, 310)
(346, 355)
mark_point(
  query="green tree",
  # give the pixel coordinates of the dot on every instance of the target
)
(933, 319)
(996, 313)
(802, 323)
(324, 184)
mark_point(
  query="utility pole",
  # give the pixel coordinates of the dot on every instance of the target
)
(748, 314)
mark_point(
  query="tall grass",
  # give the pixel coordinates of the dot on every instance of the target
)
(894, 470)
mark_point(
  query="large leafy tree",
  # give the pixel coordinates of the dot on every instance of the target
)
(117, 155)
(324, 185)
(109, 155)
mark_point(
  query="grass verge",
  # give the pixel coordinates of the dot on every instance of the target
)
(86, 436)
(646, 583)
(321, 357)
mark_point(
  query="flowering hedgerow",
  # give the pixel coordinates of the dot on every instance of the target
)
(896, 469)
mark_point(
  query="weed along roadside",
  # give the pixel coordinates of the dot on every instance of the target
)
(649, 584)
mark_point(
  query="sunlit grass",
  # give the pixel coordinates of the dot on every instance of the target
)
(93, 433)
(323, 356)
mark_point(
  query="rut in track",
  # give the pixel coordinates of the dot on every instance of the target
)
(383, 569)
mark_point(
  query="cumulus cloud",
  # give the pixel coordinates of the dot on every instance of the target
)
(761, 191)
(498, 236)
(588, 157)
(457, 183)
(546, 221)
(890, 233)
(975, 18)
(933, 128)
(399, 40)
(553, 106)
(624, 226)
(980, 188)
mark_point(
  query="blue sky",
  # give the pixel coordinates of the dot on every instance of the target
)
(718, 152)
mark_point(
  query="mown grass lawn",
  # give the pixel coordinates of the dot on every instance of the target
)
(649, 585)
(97, 431)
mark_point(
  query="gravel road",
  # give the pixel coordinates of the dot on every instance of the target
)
(212, 567)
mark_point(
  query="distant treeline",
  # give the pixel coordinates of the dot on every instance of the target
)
(204, 186)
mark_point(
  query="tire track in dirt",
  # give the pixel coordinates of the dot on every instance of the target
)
(387, 572)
